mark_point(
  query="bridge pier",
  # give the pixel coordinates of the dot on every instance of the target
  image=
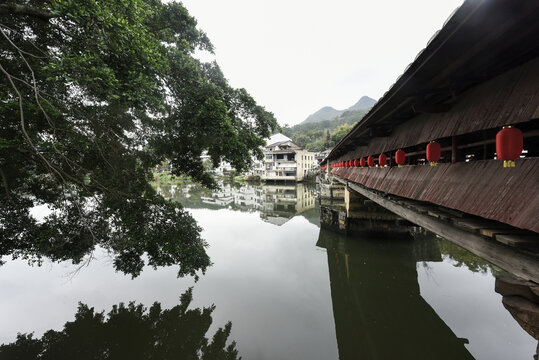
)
(332, 191)
(357, 215)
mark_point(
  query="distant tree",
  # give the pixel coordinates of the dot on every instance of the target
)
(94, 95)
(339, 133)
(328, 140)
(286, 130)
(318, 131)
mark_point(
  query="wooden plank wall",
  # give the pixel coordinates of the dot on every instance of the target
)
(510, 98)
(483, 188)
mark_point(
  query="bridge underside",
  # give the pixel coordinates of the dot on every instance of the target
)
(508, 195)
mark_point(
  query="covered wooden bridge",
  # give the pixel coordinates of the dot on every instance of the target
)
(479, 73)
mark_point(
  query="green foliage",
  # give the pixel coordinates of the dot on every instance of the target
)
(130, 332)
(95, 94)
(322, 135)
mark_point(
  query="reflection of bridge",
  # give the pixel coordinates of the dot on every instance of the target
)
(478, 74)
(379, 312)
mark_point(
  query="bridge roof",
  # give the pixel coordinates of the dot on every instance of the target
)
(480, 40)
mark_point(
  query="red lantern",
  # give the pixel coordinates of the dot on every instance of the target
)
(400, 157)
(356, 163)
(370, 161)
(347, 163)
(351, 162)
(509, 145)
(362, 162)
(382, 160)
(433, 152)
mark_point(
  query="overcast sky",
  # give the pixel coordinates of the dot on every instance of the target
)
(295, 56)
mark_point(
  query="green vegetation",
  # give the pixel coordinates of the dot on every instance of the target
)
(94, 96)
(322, 135)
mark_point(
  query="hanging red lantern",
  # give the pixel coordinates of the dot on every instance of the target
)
(370, 161)
(356, 163)
(362, 162)
(347, 164)
(509, 145)
(400, 157)
(433, 152)
(382, 160)
(351, 163)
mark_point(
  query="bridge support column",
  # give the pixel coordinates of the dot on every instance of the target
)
(352, 200)
(358, 215)
(332, 191)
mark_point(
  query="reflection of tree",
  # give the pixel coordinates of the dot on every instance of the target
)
(129, 332)
(463, 257)
(64, 236)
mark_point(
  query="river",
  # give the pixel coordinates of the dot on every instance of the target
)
(289, 289)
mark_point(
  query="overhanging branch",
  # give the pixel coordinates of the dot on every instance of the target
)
(17, 9)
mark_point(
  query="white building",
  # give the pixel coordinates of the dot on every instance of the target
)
(283, 161)
(286, 161)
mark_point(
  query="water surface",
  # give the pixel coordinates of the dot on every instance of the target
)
(291, 290)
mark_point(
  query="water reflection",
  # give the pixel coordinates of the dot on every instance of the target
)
(276, 203)
(407, 294)
(130, 332)
(379, 312)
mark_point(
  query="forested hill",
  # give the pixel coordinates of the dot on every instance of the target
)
(319, 135)
(328, 113)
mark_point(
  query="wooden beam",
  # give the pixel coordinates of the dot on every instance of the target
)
(377, 131)
(520, 264)
(425, 108)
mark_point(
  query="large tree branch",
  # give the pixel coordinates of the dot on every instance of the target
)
(4, 183)
(17, 9)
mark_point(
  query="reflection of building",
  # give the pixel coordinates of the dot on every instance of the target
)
(378, 309)
(286, 161)
(282, 202)
(224, 197)
(247, 197)
(277, 203)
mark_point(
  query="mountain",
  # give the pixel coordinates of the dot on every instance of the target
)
(328, 112)
(364, 103)
(325, 113)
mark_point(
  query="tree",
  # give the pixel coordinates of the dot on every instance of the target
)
(130, 332)
(94, 95)
(328, 140)
(339, 133)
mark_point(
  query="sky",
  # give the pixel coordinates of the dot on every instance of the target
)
(296, 56)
